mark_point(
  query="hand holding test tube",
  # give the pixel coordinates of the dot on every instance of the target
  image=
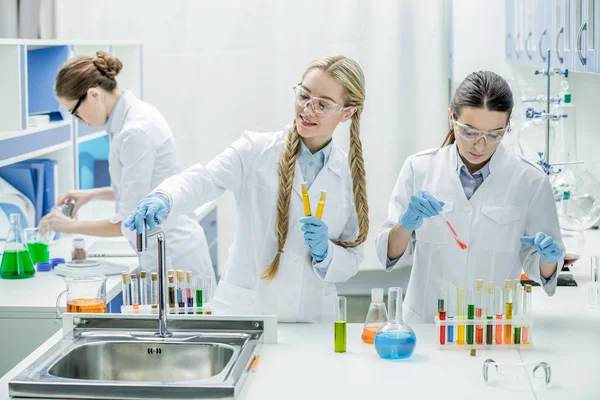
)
(460, 243)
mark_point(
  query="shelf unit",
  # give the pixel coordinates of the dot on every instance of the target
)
(27, 72)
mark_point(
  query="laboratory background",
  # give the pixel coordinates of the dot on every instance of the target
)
(215, 69)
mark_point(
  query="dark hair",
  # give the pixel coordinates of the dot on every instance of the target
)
(80, 73)
(483, 89)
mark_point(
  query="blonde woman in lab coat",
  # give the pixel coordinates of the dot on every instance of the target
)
(501, 206)
(281, 262)
(142, 154)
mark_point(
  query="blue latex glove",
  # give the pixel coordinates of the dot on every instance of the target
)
(550, 252)
(316, 236)
(152, 210)
(421, 205)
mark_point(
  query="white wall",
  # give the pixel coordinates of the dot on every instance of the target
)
(479, 32)
(216, 68)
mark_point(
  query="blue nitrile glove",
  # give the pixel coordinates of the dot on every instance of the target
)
(421, 205)
(316, 236)
(153, 209)
(550, 252)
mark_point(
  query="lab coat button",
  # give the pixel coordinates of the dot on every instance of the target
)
(466, 210)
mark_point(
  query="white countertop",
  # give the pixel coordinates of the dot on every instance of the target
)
(36, 297)
(303, 364)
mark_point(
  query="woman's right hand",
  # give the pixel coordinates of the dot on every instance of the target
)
(150, 211)
(78, 197)
(421, 205)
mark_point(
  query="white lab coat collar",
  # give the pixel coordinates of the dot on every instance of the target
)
(117, 116)
(494, 163)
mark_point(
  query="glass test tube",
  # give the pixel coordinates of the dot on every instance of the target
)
(499, 313)
(594, 291)
(451, 312)
(489, 313)
(470, 314)
(135, 295)
(189, 275)
(442, 313)
(125, 288)
(154, 289)
(207, 292)
(171, 291)
(527, 314)
(479, 312)
(517, 306)
(199, 296)
(143, 288)
(180, 288)
(460, 339)
(508, 311)
(339, 334)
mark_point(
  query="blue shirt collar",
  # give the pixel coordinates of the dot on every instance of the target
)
(460, 165)
(326, 151)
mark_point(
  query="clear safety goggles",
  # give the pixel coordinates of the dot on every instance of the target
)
(473, 135)
(318, 105)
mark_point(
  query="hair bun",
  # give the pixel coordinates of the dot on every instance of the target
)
(107, 64)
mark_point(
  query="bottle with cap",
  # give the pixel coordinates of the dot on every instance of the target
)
(376, 317)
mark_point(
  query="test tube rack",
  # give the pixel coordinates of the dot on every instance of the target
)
(148, 309)
(495, 323)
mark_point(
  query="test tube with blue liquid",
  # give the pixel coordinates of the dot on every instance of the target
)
(451, 313)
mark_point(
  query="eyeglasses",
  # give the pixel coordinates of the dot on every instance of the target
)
(473, 135)
(318, 105)
(79, 102)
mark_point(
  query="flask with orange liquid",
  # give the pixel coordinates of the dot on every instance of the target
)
(376, 317)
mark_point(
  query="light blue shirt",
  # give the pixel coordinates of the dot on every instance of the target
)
(471, 182)
(311, 165)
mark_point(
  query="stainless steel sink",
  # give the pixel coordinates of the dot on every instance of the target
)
(118, 358)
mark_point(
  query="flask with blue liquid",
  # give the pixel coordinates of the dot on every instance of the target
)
(395, 340)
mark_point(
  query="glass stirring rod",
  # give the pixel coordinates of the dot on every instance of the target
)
(454, 234)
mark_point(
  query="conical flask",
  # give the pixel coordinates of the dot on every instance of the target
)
(16, 262)
(395, 340)
(376, 317)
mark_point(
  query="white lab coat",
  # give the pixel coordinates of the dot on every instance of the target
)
(515, 199)
(250, 169)
(142, 154)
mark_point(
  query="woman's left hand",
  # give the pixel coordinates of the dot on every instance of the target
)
(57, 222)
(316, 236)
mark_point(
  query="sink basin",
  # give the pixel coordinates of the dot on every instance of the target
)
(143, 361)
(113, 357)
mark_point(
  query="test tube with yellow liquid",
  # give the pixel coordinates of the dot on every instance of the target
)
(306, 200)
(508, 311)
(321, 204)
(339, 335)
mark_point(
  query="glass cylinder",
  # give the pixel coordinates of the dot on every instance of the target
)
(339, 336)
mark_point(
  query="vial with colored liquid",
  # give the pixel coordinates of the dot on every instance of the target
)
(339, 329)
(395, 340)
(376, 317)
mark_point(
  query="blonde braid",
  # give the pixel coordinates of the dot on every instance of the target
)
(359, 184)
(287, 166)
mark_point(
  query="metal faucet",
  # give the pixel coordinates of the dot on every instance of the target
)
(141, 245)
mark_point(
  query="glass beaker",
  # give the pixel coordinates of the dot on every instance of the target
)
(37, 244)
(16, 262)
(395, 340)
(376, 317)
(515, 376)
(85, 294)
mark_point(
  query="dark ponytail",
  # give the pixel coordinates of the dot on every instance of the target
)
(483, 89)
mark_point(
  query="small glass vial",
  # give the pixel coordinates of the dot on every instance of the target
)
(78, 249)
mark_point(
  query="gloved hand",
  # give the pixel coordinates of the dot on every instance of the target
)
(316, 236)
(153, 209)
(550, 252)
(421, 205)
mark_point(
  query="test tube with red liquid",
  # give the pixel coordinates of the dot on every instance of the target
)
(460, 243)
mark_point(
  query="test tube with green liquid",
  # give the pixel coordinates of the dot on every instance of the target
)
(199, 297)
(339, 335)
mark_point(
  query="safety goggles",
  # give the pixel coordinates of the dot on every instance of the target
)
(318, 105)
(473, 135)
(79, 102)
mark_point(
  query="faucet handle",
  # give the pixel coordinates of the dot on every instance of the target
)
(141, 240)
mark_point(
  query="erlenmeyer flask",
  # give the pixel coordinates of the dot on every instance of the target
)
(16, 262)
(395, 340)
(376, 317)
